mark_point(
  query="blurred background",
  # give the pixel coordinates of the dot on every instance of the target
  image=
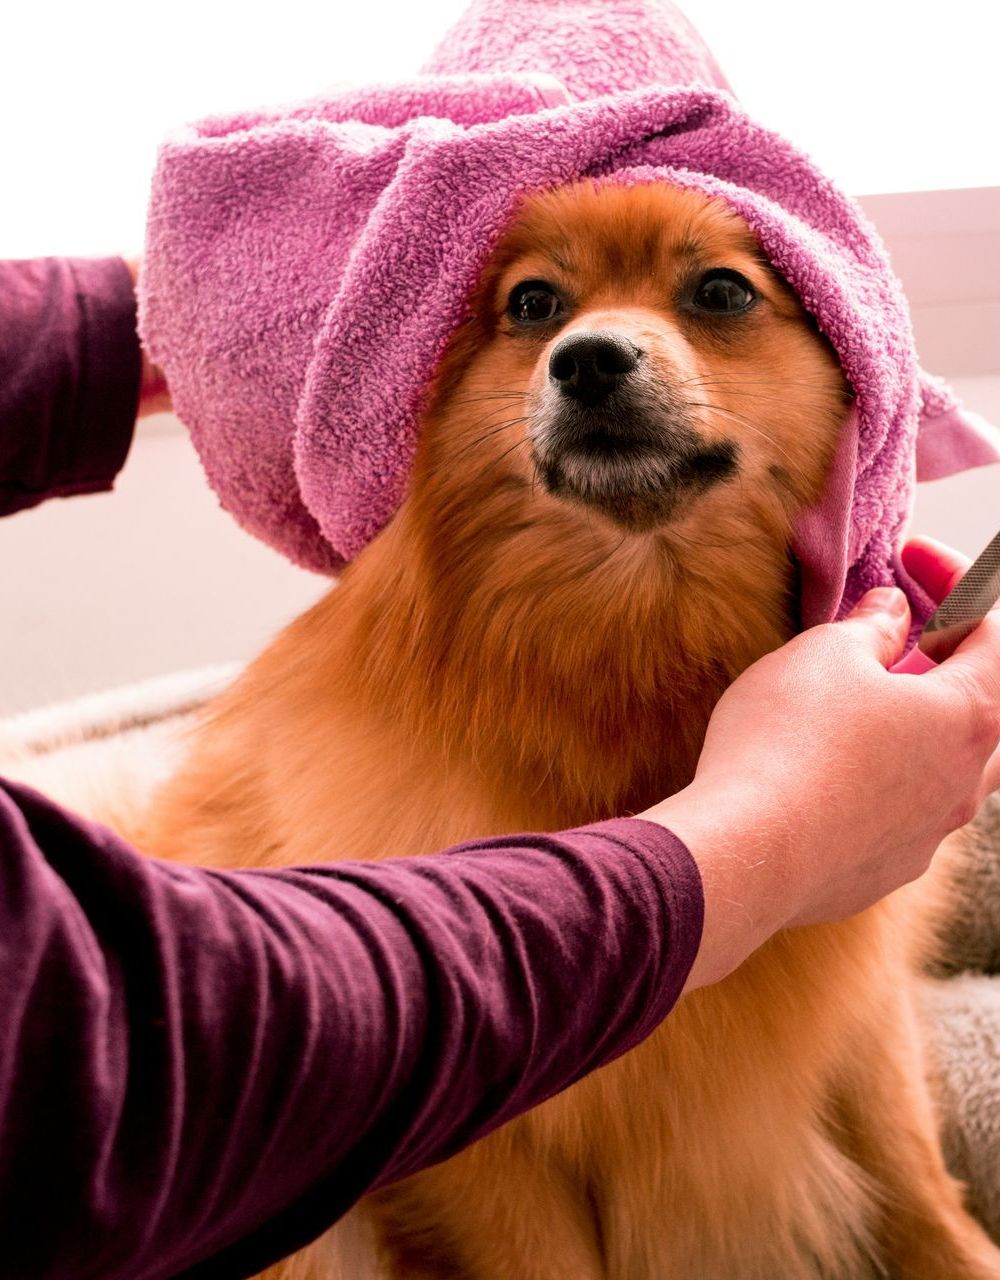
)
(896, 101)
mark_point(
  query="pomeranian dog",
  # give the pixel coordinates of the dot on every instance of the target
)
(594, 545)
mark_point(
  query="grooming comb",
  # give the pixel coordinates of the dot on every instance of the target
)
(965, 606)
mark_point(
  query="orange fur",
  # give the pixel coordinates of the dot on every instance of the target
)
(504, 659)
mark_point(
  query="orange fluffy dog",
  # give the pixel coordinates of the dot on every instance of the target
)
(594, 545)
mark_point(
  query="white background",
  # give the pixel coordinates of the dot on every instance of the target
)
(887, 95)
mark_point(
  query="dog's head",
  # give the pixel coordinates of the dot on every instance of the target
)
(596, 537)
(632, 352)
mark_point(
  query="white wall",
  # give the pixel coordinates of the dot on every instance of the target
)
(897, 95)
(964, 510)
(152, 578)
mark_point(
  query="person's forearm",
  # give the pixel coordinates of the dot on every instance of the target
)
(70, 373)
(740, 844)
(201, 1064)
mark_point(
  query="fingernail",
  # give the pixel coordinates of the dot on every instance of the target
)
(884, 600)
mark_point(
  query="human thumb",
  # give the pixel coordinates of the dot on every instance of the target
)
(881, 621)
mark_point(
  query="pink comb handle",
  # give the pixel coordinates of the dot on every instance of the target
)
(915, 663)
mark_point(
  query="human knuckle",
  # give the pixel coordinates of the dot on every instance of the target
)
(978, 706)
(883, 625)
(985, 724)
(964, 808)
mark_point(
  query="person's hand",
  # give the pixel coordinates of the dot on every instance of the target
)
(154, 394)
(825, 782)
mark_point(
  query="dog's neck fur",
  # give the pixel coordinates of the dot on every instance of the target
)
(545, 648)
(496, 630)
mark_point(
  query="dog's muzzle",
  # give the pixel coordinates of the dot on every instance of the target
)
(609, 432)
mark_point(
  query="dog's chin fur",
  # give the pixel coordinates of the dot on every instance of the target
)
(536, 641)
(637, 488)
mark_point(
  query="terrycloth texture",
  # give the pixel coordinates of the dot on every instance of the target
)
(305, 268)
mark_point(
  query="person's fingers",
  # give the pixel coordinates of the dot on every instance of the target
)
(934, 566)
(881, 622)
(975, 665)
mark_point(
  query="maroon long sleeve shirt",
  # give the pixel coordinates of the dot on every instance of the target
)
(199, 1070)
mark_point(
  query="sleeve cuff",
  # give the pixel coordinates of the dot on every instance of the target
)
(111, 369)
(676, 881)
(70, 370)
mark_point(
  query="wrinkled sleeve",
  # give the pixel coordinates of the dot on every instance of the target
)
(202, 1070)
(70, 366)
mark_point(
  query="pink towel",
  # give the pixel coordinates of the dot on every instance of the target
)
(306, 266)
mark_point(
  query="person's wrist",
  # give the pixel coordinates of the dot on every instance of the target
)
(154, 394)
(740, 839)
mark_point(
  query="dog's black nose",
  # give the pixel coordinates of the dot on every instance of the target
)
(588, 366)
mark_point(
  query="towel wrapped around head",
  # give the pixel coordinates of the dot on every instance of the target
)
(305, 268)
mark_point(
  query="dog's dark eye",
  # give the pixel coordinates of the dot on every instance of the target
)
(724, 292)
(533, 302)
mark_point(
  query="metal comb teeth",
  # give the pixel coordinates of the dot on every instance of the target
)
(965, 606)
